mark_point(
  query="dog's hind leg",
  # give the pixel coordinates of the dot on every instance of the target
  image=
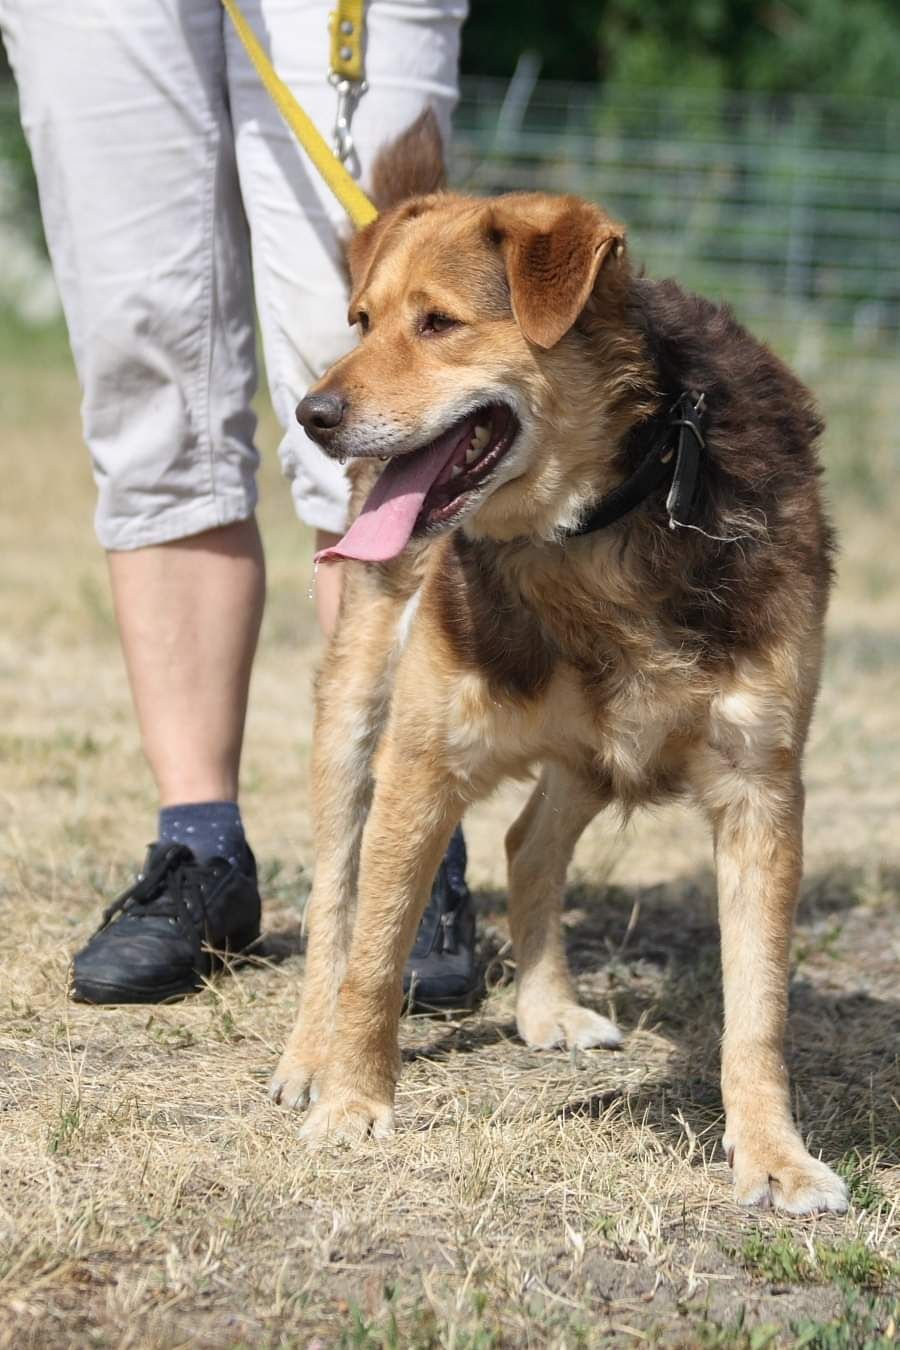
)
(351, 701)
(539, 847)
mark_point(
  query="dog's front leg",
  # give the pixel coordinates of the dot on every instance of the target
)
(414, 811)
(351, 700)
(758, 860)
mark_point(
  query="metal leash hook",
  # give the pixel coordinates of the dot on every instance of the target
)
(346, 26)
(349, 92)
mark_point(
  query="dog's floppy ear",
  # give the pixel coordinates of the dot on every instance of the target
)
(553, 249)
(409, 168)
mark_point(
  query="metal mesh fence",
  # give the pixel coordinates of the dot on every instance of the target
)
(789, 208)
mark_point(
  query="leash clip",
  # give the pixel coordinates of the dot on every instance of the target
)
(349, 92)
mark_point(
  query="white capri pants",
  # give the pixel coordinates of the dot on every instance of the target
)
(155, 145)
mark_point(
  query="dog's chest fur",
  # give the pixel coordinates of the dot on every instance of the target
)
(571, 676)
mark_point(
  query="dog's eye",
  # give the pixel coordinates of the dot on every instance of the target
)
(362, 319)
(437, 323)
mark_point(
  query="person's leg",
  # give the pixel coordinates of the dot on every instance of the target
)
(189, 615)
(328, 585)
(412, 60)
(298, 227)
(125, 109)
(126, 113)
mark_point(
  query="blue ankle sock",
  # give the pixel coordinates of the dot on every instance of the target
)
(208, 829)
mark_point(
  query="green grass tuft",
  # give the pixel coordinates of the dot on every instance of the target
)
(778, 1260)
(781, 1259)
(864, 1324)
(859, 1174)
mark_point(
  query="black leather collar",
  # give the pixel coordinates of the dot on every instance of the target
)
(676, 454)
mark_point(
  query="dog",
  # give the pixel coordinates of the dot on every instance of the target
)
(589, 544)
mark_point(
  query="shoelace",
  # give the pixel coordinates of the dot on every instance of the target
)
(448, 942)
(444, 937)
(170, 885)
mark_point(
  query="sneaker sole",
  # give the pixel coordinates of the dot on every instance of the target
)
(465, 1002)
(98, 992)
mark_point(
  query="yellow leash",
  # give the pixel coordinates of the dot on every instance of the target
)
(347, 48)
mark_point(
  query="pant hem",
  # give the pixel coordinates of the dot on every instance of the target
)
(178, 524)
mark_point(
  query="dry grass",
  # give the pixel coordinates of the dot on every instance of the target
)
(151, 1195)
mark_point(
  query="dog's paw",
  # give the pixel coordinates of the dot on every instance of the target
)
(350, 1120)
(788, 1179)
(565, 1024)
(294, 1083)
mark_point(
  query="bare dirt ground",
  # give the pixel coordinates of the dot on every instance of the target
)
(152, 1196)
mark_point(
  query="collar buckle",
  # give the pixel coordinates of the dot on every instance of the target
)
(687, 415)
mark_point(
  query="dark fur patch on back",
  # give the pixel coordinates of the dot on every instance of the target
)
(759, 486)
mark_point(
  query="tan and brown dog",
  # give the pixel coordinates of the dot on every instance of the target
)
(514, 372)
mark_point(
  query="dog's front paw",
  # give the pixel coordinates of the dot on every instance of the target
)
(783, 1177)
(564, 1024)
(295, 1082)
(351, 1118)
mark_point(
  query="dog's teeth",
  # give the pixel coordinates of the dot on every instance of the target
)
(480, 438)
(456, 471)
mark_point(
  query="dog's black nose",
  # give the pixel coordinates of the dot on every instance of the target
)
(320, 412)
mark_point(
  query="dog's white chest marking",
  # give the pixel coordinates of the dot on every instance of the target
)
(646, 731)
(405, 622)
(635, 726)
(625, 737)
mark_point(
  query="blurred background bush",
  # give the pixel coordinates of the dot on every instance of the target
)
(752, 149)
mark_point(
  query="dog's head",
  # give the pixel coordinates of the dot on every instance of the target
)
(490, 357)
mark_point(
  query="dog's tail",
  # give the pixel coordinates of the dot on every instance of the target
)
(410, 166)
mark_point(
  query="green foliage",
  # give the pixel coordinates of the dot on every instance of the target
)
(868, 1324)
(853, 1263)
(821, 46)
(827, 47)
(496, 34)
(734, 1335)
(781, 1259)
(65, 1126)
(778, 1259)
(863, 1324)
(418, 1328)
(859, 1174)
(18, 188)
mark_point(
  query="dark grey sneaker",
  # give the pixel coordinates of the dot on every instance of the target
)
(441, 969)
(162, 936)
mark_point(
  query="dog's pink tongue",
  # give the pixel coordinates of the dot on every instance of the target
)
(384, 526)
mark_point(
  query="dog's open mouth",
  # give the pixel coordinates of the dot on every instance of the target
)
(485, 437)
(428, 487)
